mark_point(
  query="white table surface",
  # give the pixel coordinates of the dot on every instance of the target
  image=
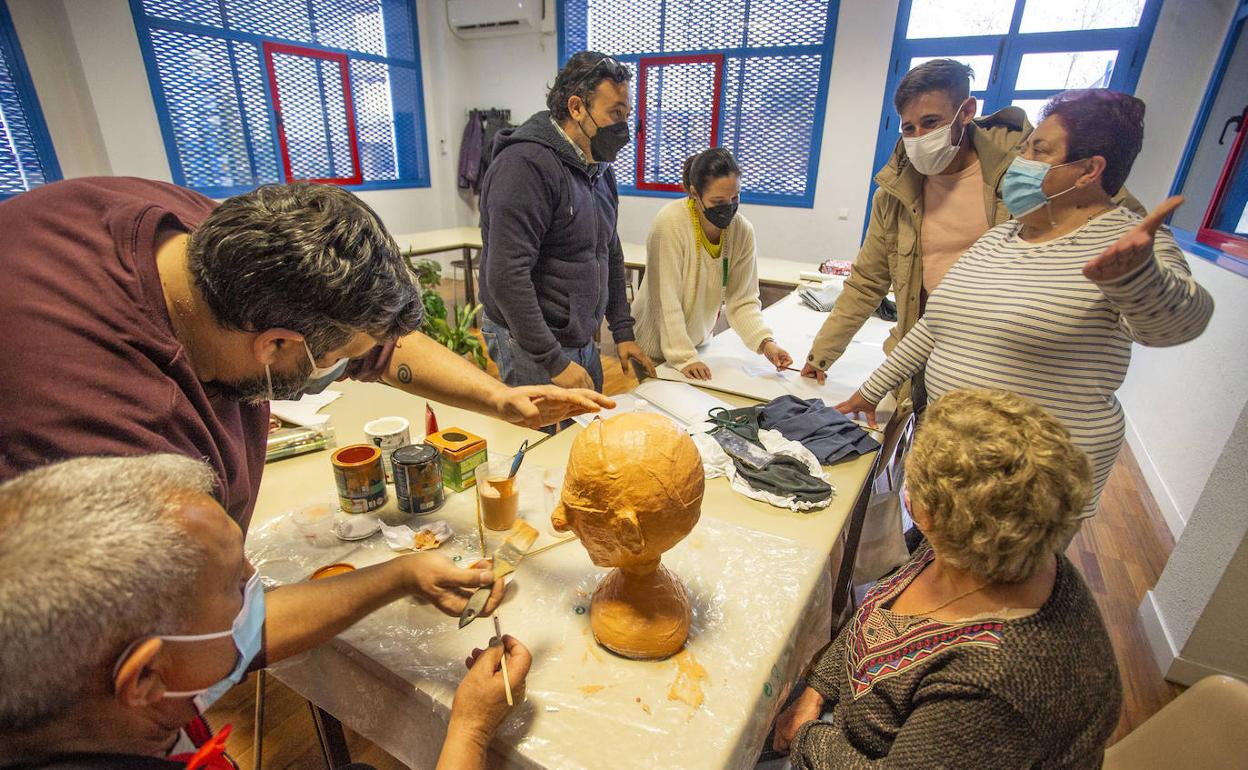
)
(391, 678)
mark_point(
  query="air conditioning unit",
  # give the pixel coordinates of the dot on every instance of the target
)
(494, 18)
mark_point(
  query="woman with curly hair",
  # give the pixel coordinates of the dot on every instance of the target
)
(986, 649)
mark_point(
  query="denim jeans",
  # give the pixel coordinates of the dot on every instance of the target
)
(517, 367)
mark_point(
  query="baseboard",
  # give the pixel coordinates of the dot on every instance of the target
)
(1174, 667)
(1175, 520)
(1155, 631)
(1188, 673)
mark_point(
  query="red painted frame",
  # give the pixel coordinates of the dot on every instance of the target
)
(271, 48)
(1235, 245)
(716, 97)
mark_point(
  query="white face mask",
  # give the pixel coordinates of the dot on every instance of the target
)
(932, 153)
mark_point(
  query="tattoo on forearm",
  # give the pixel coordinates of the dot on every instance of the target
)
(405, 374)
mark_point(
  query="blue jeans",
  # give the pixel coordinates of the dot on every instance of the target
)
(517, 367)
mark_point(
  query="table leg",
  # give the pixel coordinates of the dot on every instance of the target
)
(329, 734)
(469, 290)
(842, 587)
(257, 741)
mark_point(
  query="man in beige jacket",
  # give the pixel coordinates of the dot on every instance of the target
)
(938, 193)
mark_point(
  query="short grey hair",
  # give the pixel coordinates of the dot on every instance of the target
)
(307, 257)
(93, 561)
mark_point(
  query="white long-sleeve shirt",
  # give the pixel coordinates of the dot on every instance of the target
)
(1020, 316)
(679, 301)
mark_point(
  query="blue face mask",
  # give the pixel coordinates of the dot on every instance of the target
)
(1022, 187)
(319, 378)
(248, 633)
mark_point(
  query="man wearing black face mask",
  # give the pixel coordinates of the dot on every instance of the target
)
(551, 265)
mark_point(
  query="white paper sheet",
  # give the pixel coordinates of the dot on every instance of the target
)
(303, 411)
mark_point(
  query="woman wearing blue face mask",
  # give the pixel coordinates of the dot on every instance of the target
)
(1048, 304)
(700, 259)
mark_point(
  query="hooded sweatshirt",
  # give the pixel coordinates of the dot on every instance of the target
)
(551, 262)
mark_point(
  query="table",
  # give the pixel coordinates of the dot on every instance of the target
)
(782, 273)
(392, 676)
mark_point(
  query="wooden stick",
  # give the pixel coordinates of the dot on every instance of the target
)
(548, 546)
(481, 524)
(498, 631)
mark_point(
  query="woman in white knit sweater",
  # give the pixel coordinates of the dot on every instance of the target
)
(699, 259)
(1047, 305)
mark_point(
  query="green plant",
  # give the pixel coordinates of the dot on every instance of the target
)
(457, 333)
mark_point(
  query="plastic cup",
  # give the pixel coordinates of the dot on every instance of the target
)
(315, 521)
(500, 497)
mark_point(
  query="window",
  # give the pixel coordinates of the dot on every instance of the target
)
(1022, 51)
(321, 90)
(1214, 171)
(26, 156)
(748, 75)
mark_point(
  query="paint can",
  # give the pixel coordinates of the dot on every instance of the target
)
(388, 434)
(360, 479)
(418, 478)
(330, 570)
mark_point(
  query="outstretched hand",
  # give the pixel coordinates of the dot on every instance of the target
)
(535, 406)
(1134, 248)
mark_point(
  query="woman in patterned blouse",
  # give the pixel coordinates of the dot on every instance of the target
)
(986, 649)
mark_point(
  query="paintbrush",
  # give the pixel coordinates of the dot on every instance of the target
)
(498, 631)
(517, 544)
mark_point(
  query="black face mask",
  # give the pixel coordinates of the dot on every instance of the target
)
(720, 216)
(609, 140)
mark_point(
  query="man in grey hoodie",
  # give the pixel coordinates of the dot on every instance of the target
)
(551, 263)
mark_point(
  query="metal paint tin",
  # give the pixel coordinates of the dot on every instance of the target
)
(330, 570)
(418, 478)
(360, 479)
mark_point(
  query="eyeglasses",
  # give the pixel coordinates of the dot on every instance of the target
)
(614, 67)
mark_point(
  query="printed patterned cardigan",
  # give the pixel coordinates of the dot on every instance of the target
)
(1040, 691)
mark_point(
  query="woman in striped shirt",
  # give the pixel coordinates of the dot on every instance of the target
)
(1048, 304)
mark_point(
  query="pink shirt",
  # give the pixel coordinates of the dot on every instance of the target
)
(953, 219)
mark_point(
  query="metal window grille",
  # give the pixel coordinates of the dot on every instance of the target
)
(26, 156)
(748, 75)
(322, 90)
(674, 116)
(1009, 54)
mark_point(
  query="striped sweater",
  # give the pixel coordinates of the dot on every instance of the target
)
(1020, 316)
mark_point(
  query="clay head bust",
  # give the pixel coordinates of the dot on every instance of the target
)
(633, 489)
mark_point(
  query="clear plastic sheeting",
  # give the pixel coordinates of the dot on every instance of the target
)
(761, 608)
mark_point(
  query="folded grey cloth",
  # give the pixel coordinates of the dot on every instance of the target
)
(828, 434)
(786, 476)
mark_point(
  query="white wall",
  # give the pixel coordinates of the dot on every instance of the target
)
(1194, 618)
(1178, 399)
(88, 71)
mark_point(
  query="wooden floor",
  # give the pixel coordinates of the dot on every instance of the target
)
(1121, 552)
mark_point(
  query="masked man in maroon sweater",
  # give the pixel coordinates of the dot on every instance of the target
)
(141, 317)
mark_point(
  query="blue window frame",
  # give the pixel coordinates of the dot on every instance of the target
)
(27, 159)
(747, 75)
(1022, 51)
(1213, 173)
(249, 93)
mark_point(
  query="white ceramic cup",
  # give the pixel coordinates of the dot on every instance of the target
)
(388, 434)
